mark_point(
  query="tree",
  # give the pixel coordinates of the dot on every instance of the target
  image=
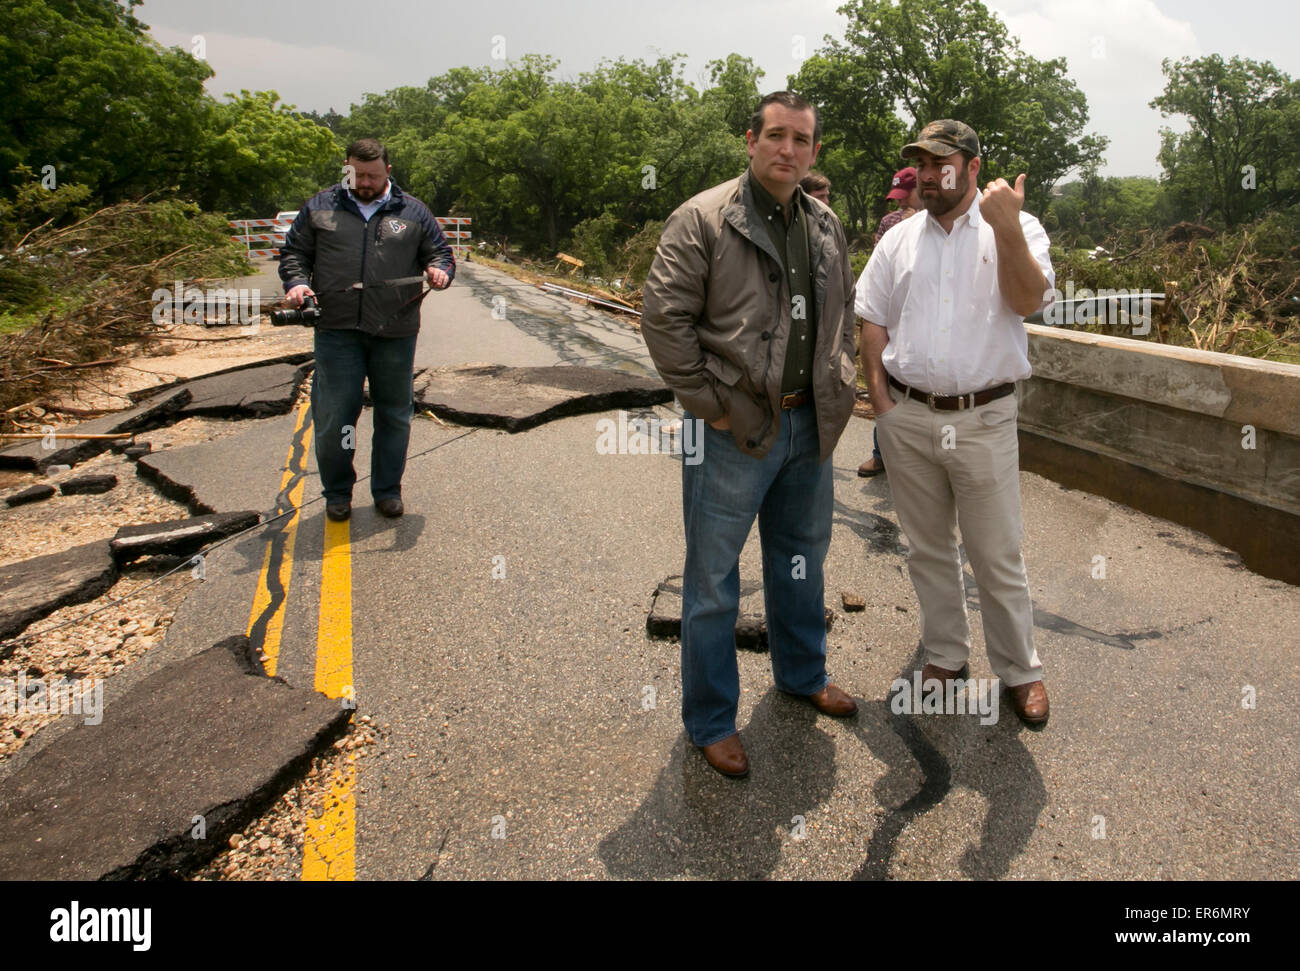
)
(861, 135)
(90, 93)
(907, 63)
(533, 156)
(261, 156)
(1240, 153)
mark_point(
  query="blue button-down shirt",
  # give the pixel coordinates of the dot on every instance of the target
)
(368, 209)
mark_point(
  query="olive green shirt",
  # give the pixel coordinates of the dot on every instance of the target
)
(787, 227)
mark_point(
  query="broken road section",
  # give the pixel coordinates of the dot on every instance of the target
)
(179, 763)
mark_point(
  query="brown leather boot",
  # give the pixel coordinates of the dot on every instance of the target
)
(872, 466)
(1030, 703)
(942, 675)
(834, 701)
(728, 757)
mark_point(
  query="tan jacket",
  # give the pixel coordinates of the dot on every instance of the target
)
(717, 310)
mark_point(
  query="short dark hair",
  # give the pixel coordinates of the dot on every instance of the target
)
(814, 182)
(367, 150)
(790, 100)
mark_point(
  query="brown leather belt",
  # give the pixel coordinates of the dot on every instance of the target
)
(796, 398)
(954, 402)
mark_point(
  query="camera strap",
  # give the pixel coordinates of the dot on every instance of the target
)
(404, 281)
(399, 282)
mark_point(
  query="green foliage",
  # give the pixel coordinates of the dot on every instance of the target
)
(637, 253)
(1235, 293)
(594, 241)
(34, 205)
(260, 157)
(533, 157)
(941, 59)
(88, 92)
(92, 95)
(58, 268)
(1094, 209)
(1241, 153)
(78, 293)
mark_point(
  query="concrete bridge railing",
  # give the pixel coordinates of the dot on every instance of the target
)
(1211, 441)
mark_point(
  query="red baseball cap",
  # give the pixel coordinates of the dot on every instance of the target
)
(904, 183)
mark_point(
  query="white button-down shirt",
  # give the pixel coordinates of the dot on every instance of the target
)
(936, 293)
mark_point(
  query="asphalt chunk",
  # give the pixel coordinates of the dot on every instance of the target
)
(178, 537)
(31, 494)
(519, 398)
(151, 413)
(32, 589)
(88, 485)
(665, 617)
(180, 762)
(255, 392)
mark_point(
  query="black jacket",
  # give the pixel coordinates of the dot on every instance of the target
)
(330, 247)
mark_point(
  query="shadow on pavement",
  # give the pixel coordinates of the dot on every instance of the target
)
(696, 823)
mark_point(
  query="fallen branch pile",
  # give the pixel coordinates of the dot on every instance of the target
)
(88, 288)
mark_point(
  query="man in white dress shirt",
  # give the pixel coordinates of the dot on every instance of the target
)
(942, 302)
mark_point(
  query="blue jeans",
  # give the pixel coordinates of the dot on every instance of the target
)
(344, 360)
(790, 490)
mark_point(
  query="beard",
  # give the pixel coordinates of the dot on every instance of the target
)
(369, 194)
(942, 201)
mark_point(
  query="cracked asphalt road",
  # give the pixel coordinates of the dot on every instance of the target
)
(499, 630)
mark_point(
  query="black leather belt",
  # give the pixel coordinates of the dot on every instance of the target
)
(954, 402)
(796, 398)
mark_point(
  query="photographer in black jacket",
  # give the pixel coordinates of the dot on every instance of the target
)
(365, 231)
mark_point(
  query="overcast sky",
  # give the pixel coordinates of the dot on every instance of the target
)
(329, 53)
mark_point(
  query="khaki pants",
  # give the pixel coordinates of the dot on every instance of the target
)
(951, 468)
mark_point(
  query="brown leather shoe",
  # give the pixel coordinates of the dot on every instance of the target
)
(872, 466)
(728, 757)
(1030, 703)
(833, 701)
(942, 675)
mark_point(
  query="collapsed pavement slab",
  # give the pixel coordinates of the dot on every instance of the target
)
(178, 537)
(32, 589)
(253, 392)
(232, 472)
(31, 494)
(88, 485)
(151, 413)
(299, 357)
(665, 617)
(516, 399)
(210, 736)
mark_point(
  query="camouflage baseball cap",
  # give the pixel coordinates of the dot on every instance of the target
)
(944, 137)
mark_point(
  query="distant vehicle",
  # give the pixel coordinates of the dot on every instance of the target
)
(282, 221)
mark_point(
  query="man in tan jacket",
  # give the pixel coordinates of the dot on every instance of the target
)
(748, 316)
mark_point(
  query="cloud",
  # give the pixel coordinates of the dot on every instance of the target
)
(301, 75)
(1113, 50)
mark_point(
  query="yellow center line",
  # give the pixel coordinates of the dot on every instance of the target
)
(329, 845)
(262, 597)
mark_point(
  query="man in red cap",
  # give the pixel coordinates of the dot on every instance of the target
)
(903, 191)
